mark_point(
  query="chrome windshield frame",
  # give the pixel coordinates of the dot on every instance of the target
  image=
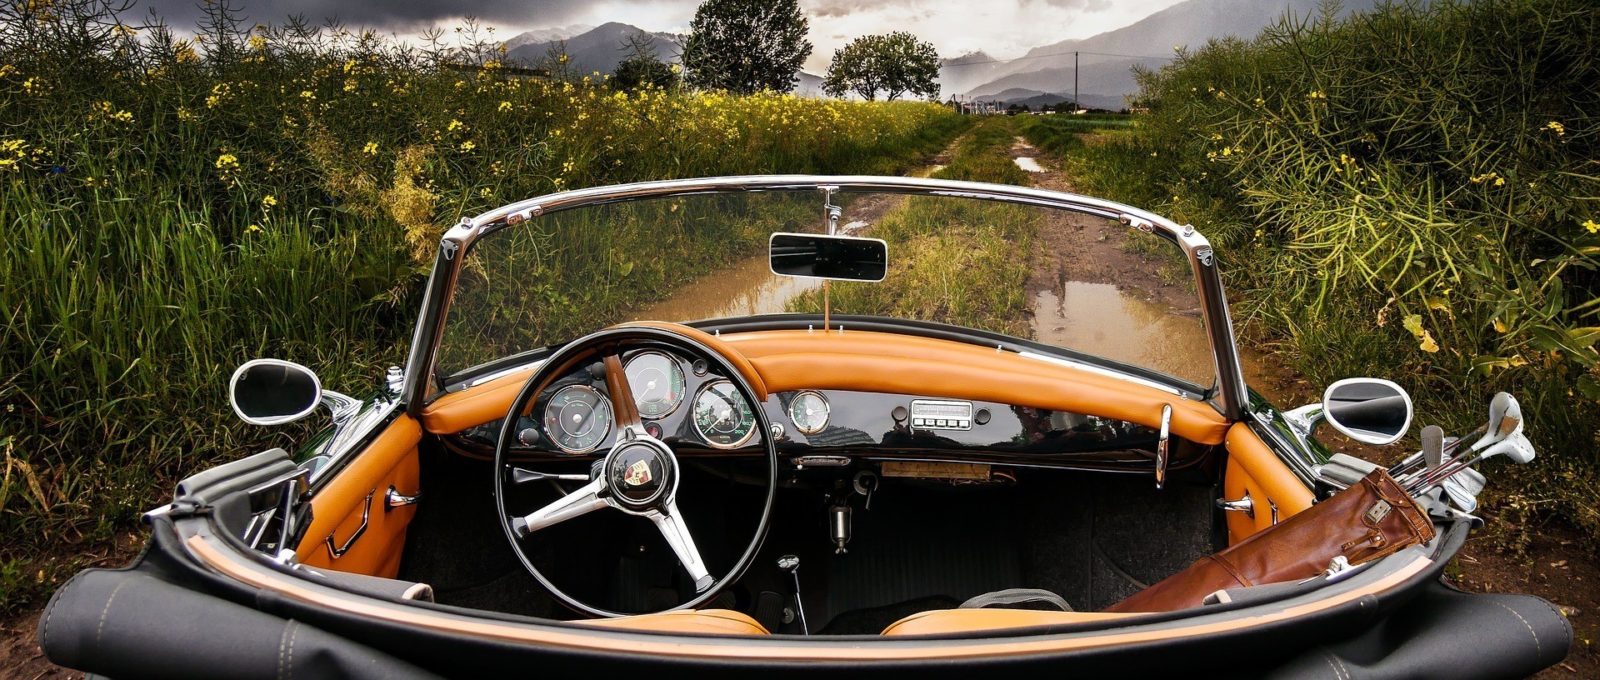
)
(1231, 397)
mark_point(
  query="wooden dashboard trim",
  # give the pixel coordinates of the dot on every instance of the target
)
(867, 361)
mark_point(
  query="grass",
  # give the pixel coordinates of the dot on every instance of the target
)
(954, 260)
(174, 207)
(1411, 193)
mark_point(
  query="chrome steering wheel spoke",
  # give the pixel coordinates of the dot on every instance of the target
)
(670, 522)
(585, 500)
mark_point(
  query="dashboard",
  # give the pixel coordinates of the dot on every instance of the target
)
(695, 410)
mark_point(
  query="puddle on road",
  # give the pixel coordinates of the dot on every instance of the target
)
(1028, 163)
(1099, 319)
(748, 287)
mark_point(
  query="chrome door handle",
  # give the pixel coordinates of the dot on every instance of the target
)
(366, 512)
(1245, 505)
(394, 499)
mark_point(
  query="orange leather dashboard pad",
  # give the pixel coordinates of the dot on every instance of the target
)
(868, 361)
(780, 361)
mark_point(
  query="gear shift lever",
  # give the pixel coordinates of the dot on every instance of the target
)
(791, 565)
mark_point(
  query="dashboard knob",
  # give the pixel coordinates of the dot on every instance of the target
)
(981, 417)
(900, 414)
(528, 436)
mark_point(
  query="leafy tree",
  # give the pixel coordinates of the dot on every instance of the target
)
(746, 46)
(895, 64)
(642, 66)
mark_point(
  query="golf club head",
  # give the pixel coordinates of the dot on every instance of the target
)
(1501, 407)
(1433, 446)
(1469, 480)
(1516, 447)
(1459, 495)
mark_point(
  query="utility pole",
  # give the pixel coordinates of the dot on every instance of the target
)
(1075, 106)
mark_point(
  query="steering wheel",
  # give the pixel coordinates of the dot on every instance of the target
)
(639, 475)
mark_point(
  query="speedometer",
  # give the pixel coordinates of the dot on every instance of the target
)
(657, 383)
(577, 418)
(722, 416)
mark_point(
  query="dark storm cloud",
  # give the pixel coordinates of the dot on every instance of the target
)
(839, 8)
(384, 14)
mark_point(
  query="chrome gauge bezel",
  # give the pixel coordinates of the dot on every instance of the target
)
(601, 399)
(827, 412)
(695, 422)
(676, 367)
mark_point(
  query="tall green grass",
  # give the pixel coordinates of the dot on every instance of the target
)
(170, 208)
(1413, 193)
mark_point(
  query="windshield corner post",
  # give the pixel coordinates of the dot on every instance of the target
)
(1219, 325)
(430, 322)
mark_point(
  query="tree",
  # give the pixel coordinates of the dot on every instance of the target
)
(746, 46)
(642, 66)
(896, 63)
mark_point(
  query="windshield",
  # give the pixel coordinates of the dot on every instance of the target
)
(1072, 281)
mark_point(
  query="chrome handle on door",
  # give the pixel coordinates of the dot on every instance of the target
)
(394, 499)
(1245, 505)
(366, 512)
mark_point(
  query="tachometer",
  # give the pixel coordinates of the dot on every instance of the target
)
(657, 383)
(722, 416)
(577, 418)
(809, 411)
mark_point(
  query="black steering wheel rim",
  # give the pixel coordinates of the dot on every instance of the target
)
(565, 359)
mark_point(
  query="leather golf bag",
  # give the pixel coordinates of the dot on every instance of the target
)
(1371, 519)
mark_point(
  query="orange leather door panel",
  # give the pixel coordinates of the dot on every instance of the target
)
(355, 498)
(1255, 470)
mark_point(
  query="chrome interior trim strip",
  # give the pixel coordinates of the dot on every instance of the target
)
(1101, 370)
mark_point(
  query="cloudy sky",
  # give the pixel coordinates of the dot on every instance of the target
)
(1003, 28)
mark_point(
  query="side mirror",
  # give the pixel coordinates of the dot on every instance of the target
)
(1368, 410)
(273, 391)
(841, 258)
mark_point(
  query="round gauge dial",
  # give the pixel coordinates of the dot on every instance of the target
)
(809, 411)
(577, 418)
(722, 416)
(657, 383)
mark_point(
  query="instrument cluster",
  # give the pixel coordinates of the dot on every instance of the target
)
(679, 400)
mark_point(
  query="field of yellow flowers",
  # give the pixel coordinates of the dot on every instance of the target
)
(172, 207)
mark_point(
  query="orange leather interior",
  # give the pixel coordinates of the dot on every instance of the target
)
(1255, 470)
(885, 362)
(946, 621)
(706, 621)
(360, 489)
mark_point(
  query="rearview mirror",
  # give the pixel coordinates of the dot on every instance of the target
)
(273, 391)
(1368, 410)
(841, 258)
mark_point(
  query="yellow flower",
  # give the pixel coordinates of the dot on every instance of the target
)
(454, 125)
(252, 229)
(505, 106)
(371, 149)
(468, 145)
(227, 161)
(350, 85)
(1316, 94)
(1556, 127)
(308, 95)
(1592, 226)
(268, 201)
(7, 70)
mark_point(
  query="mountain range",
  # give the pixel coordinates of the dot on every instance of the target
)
(598, 49)
(1102, 64)
(1105, 61)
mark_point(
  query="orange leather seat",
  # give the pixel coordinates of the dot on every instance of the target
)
(947, 621)
(704, 622)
